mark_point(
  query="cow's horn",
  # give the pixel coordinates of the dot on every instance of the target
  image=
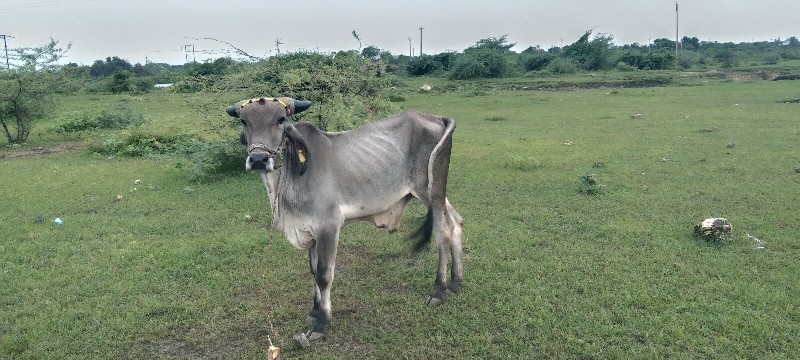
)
(301, 105)
(231, 110)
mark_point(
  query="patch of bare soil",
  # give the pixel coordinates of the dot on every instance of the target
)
(66, 147)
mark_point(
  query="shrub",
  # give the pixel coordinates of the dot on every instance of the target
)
(480, 64)
(537, 61)
(147, 144)
(562, 65)
(589, 185)
(114, 116)
(621, 66)
(423, 65)
(394, 97)
(214, 161)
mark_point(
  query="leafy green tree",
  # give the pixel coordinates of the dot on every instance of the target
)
(370, 52)
(497, 43)
(110, 66)
(480, 64)
(688, 43)
(663, 43)
(120, 82)
(23, 90)
(590, 54)
(488, 58)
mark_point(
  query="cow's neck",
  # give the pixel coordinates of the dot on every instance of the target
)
(272, 181)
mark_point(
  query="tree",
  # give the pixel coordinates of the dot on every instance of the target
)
(688, 43)
(590, 55)
(488, 58)
(370, 52)
(112, 65)
(496, 43)
(120, 82)
(24, 89)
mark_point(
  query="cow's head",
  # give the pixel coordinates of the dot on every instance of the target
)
(269, 133)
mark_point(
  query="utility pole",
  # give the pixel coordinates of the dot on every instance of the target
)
(676, 35)
(278, 44)
(420, 40)
(409, 47)
(186, 52)
(5, 47)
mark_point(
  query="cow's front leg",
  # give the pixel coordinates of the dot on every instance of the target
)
(323, 268)
(314, 313)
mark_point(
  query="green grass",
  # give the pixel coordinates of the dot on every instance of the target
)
(174, 270)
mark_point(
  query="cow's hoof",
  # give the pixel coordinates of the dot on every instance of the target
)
(304, 340)
(433, 301)
(453, 287)
(315, 336)
(301, 340)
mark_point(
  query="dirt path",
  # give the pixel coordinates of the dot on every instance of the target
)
(71, 146)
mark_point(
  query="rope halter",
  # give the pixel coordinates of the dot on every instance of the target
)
(274, 154)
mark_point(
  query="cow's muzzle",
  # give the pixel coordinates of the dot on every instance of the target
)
(260, 157)
(260, 162)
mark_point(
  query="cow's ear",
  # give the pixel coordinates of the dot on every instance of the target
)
(231, 110)
(301, 105)
(298, 151)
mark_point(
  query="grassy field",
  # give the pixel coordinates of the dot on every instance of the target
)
(175, 270)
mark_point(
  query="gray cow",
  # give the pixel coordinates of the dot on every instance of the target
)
(320, 181)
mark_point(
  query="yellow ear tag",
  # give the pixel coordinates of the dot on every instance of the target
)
(301, 155)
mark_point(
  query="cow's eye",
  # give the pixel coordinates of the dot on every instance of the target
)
(281, 120)
(243, 122)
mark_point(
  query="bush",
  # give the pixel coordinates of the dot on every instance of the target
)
(214, 161)
(114, 116)
(423, 65)
(147, 144)
(622, 66)
(480, 64)
(562, 65)
(120, 82)
(537, 61)
(589, 185)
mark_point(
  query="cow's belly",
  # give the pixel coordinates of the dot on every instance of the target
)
(371, 204)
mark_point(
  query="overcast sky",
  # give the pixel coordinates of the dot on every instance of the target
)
(159, 30)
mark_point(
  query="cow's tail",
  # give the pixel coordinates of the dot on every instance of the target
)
(424, 233)
(446, 139)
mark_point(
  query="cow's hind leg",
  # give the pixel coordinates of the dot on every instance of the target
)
(443, 229)
(456, 249)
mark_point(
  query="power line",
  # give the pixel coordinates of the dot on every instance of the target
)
(49, 3)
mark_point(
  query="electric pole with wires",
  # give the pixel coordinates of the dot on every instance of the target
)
(5, 49)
